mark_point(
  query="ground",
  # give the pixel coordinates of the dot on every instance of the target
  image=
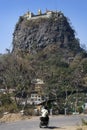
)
(19, 116)
(13, 117)
(72, 128)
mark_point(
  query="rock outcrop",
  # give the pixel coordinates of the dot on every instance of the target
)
(35, 33)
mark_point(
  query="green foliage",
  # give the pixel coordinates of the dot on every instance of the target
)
(84, 122)
(80, 109)
(12, 108)
(5, 99)
(74, 46)
(84, 65)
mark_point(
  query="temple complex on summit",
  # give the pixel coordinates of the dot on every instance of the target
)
(29, 15)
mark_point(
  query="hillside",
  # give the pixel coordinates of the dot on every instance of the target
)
(46, 48)
(49, 45)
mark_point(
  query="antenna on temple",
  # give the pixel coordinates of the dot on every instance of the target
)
(39, 12)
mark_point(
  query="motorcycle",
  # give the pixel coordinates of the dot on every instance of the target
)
(44, 122)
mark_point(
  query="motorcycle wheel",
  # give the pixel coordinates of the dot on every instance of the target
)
(47, 125)
(40, 125)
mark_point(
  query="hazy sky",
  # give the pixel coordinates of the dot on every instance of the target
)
(10, 10)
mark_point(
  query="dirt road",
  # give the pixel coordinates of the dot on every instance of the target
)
(56, 123)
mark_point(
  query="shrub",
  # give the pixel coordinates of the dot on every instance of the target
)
(84, 122)
(28, 112)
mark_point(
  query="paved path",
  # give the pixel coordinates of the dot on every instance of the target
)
(33, 124)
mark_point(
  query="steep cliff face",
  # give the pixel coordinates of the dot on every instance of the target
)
(32, 35)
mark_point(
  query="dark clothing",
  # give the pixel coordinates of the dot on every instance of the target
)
(44, 118)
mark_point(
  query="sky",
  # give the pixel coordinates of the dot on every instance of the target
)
(11, 10)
